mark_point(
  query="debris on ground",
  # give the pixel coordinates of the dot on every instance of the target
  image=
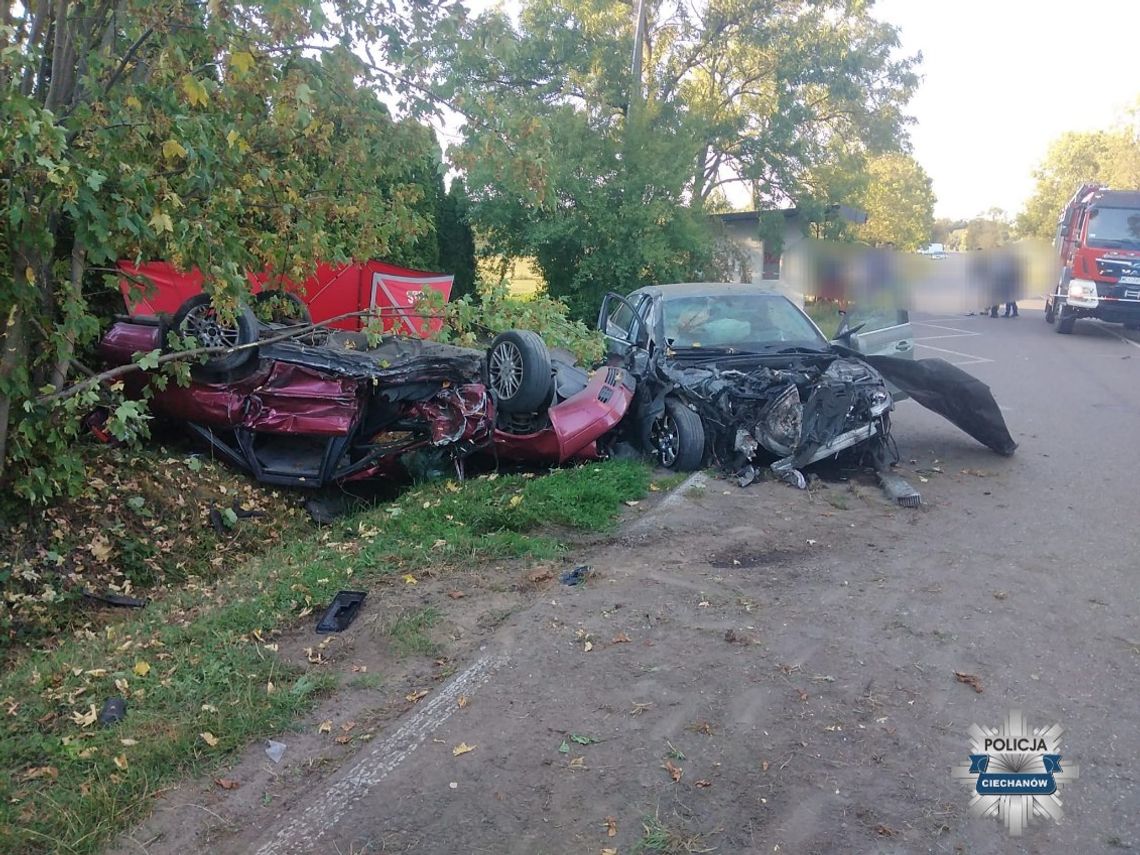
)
(898, 490)
(114, 710)
(275, 750)
(577, 576)
(971, 680)
(341, 612)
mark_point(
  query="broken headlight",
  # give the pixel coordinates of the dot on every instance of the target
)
(880, 401)
(782, 423)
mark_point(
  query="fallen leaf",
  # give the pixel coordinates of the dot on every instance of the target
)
(564, 748)
(416, 696)
(209, 738)
(611, 826)
(409, 579)
(515, 501)
(347, 726)
(227, 783)
(85, 719)
(539, 576)
(578, 763)
(588, 646)
(128, 742)
(632, 503)
(1000, 595)
(620, 638)
(885, 830)
(462, 702)
(971, 680)
(462, 748)
(609, 851)
(456, 595)
(803, 695)
(325, 726)
(703, 783)
(675, 771)
(344, 739)
(764, 766)
(40, 772)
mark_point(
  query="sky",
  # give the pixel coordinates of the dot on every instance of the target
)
(1002, 79)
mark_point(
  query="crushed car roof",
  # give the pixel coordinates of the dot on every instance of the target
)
(710, 289)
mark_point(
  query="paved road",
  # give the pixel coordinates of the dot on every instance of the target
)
(792, 655)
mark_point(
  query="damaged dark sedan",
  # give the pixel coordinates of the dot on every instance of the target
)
(738, 375)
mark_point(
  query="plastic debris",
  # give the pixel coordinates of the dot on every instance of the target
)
(275, 750)
(341, 612)
(577, 576)
(114, 710)
(898, 490)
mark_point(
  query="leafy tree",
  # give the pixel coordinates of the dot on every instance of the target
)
(899, 200)
(229, 136)
(1108, 157)
(456, 239)
(602, 174)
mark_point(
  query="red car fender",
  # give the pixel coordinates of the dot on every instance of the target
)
(576, 424)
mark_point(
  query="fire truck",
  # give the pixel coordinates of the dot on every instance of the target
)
(1098, 245)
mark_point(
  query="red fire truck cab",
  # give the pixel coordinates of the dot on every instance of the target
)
(1098, 243)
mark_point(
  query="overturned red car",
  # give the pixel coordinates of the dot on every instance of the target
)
(326, 405)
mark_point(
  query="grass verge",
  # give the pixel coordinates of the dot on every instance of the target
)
(198, 671)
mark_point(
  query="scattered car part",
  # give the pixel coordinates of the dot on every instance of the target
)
(898, 490)
(946, 389)
(519, 371)
(576, 576)
(114, 710)
(341, 612)
(275, 750)
(120, 600)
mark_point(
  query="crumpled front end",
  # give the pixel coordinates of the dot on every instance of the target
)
(788, 417)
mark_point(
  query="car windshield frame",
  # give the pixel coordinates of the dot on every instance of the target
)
(720, 321)
(1128, 220)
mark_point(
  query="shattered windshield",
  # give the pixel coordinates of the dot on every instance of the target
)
(746, 321)
(1114, 228)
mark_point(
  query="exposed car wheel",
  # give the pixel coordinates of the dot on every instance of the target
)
(198, 319)
(281, 307)
(677, 438)
(518, 371)
(1050, 312)
(1065, 321)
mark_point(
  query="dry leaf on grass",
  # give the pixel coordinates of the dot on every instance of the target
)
(209, 738)
(675, 771)
(588, 646)
(227, 783)
(325, 726)
(40, 772)
(142, 668)
(462, 748)
(121, 761)
(621, 638)
(611, 827)
(463, 701)
(344, 739)
(416, 696)
(803, 695)
(971, 680)
(456, 595)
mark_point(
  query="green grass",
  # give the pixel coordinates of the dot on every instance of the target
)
(205, 665)
(659, 839)
(410, 632)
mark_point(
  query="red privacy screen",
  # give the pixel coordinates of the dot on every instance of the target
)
(387, 290)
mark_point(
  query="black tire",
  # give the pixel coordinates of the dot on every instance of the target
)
(1065, 321)
(196, 318)
(281, 307)
(677, 438)
(519, 374)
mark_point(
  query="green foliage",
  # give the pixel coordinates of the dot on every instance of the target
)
(228, 137)
(473, 320)
(603, 178)
(1108, 157)
(457, 239)
(61, 788)
(898, 198)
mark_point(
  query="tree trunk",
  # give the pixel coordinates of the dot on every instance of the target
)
(15, 354)
(73, 295)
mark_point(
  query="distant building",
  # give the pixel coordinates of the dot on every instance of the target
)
(745, 253)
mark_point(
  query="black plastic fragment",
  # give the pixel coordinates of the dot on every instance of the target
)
(116, 600)
(341, 612)
(576, 576)
(114, 710)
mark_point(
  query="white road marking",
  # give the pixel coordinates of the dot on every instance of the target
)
(969, 357)
(321, 814)
(697, 479)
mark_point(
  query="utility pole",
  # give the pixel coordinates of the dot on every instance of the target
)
(638, 40)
